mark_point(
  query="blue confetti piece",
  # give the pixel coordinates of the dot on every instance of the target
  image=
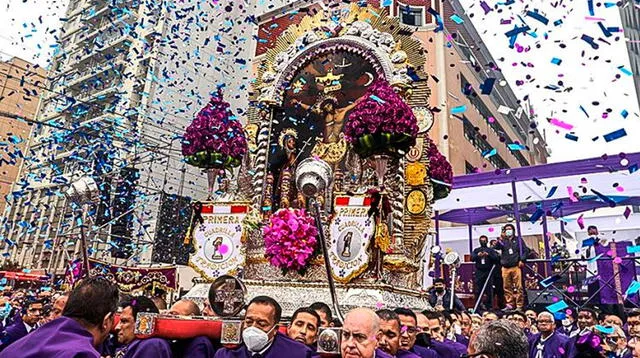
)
(584, 111)
(594, 259)
(559, 316)
(588, 242)
(536, 215)
(610, 4)
(633, 288)
(516, 147)
(458, 109)
(538, 16)
(556, 61)
(571, 137)
(558, 306)
(633, 168)
(615, 135)
(604, 30)
(633, 249)
(455, 18)
(386, 3)
(377, 99)
(552, 191)
(625, 71)
(624, 114)
(605, 330)
(517, 30)
(557, 23)
(589, 40)
(549, 280)
(487, 86)
(590, 5)
(489, 153)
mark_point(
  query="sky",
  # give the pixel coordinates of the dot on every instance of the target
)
(590, 84)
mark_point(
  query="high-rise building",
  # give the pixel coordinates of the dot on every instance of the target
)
(21, 84)
(630, 15)
(127, 79)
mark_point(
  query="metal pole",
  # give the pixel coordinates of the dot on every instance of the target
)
(545, 233)
(327, 265)
(83, 241)
(516, 213)
(484, 287)
(437, 261)
(470, 238)
(454, 271)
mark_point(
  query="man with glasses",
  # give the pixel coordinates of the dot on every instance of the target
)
(615, 344)
(389, 340)
(260, 335)
(498, 339)
(24, 323)
(412, 338)
(548, 343)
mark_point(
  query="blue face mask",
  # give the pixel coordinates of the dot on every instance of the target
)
(5, 310)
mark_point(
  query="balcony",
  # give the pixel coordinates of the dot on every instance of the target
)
(92, 69)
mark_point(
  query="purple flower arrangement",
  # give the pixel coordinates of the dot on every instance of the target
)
(439, 170)
(381, 123)
(215, 138)
(290, 239)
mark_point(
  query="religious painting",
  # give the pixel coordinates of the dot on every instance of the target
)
(317, 103)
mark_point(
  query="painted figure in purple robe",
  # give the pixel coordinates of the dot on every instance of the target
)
(549, 343)
(304, 326)
(27, 322)
(411, 337)
(86, 322)
(130, 346)
(198, 347)
(260, 335)
(389, 335)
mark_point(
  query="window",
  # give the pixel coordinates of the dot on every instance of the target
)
(469, 168)
(481, 144)
(410, 15)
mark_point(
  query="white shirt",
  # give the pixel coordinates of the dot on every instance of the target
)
(29, 328)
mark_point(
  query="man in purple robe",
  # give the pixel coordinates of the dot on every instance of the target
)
(195, 347)
(260, 334)
(86, 322)
(304, 327)
(23, 324)
(361, 334)
(389, 335)
(549, 343)
(410, 332)
(131, 347)
(435, 327)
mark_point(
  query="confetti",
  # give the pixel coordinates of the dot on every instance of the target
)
(455, 18)
(556, 61)
(553, 308)
(558, 123)
(615, 135)
(458, 109)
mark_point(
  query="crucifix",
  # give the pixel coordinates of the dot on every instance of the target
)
(230, 296)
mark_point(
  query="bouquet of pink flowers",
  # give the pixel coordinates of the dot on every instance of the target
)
(440, 171)
(381, 123)
(290, 239)
(215, 138)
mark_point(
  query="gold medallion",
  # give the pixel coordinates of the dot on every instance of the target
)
(416, 173)
(416, 202)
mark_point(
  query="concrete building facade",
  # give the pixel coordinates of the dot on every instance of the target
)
(630, 15)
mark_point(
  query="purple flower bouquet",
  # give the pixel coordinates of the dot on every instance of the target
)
(440, 171)
(290, 239)
(381, 123)
(215, 138)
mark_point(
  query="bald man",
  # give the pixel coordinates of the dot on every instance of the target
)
(360, 334)
(185, 308)
(548, 343)
(58, 307)
(198, 347)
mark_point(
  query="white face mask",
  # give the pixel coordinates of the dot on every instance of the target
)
(566, 322)
(509, 233)
(457, 329)
(255, 339)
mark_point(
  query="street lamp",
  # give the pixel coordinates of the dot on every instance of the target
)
(83, 192)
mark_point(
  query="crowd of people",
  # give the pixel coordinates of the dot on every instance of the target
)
(95, 320)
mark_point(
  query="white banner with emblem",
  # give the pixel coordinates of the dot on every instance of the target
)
(350, 233)
(219, 239)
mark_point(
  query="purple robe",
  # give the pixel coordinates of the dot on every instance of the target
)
(13, 332)
(424, 352)
(556, 346)
(612, 292)
(143, 348)
(462, 340)
(282, 346)
(382, 354)
(198, 347)
(62, 337)
(406, 354)
(458, 347)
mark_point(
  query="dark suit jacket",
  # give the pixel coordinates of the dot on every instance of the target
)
(13, 332)
(281, 347)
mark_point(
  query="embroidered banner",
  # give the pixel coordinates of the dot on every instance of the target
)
(350, 233)
(219, 246)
